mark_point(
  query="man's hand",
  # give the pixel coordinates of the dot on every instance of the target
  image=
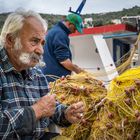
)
(78, 69)
(70, 66)
(45, 107)
(74, 113)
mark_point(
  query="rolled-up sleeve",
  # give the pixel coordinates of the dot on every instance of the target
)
(59, 116)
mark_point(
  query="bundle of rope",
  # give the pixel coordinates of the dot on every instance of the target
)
(119, 118)
(79, 87)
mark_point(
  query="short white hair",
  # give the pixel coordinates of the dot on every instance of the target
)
(15, 22)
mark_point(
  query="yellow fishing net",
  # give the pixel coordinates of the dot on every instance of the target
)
(119, 118)
(79, 87)
(110, 115)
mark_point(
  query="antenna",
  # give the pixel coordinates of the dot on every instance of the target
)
(79, 9)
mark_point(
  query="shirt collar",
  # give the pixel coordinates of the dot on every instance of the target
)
(8, 67)
(63, 26)
(5, 63)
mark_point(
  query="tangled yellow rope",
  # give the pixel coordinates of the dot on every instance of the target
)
(119, 119)
(79, 87)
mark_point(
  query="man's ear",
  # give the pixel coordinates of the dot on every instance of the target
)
(10, 41)
(69, 23)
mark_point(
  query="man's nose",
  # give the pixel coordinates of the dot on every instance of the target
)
(39, 49)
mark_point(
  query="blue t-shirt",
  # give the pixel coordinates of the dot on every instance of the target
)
(56, 50)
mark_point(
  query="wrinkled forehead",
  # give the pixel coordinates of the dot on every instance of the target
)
(33, 27)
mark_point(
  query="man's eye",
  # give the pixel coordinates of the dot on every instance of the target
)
(43, 43)
(34, 42)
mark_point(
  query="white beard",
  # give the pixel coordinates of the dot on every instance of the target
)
(41, 63)
(25, 58)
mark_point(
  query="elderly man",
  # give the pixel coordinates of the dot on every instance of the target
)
(25, 107)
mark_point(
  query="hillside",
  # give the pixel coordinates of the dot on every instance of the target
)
(98, 19)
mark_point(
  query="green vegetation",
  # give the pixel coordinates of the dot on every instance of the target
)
(105, 18)
(98, 19)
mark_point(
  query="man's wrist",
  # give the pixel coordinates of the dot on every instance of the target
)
(65, 119)
(65, 114)
(38, 111)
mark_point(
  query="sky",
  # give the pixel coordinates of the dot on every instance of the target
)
(61, 7)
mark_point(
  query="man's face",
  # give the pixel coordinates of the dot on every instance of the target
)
(25, 57)
(72, 28)
(28, 47)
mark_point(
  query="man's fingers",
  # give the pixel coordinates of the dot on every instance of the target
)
(53, 95)
(77, 105)
(79, 110)
(79, 115)
(49, 98)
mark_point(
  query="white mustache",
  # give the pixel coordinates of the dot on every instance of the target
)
(41, 63)
(34, 56)
(26, 58)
